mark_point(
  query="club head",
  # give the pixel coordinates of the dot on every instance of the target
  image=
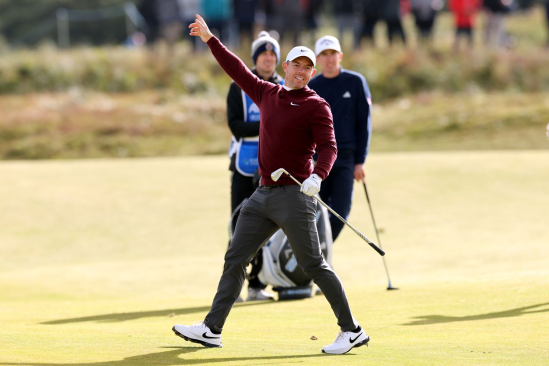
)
(275, 176)
(392, 288)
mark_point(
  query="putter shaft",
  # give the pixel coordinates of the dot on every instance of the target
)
(390, 286)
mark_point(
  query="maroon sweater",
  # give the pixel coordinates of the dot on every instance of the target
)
(293, 123)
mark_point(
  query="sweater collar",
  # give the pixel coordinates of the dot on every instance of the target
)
(304, 89)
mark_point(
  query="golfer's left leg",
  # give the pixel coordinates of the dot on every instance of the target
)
(295, 213)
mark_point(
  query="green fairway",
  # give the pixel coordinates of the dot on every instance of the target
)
(100, 258)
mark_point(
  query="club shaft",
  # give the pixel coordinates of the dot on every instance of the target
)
(375, 247)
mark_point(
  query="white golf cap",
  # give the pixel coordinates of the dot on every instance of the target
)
(301, 51)
(327, 43)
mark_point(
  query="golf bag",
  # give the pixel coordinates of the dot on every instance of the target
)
(280, 268)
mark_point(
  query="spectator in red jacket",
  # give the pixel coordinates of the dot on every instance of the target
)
(464, 13)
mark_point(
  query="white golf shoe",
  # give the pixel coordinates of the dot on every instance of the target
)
(198, 333)
(256, 294)
(345, 341)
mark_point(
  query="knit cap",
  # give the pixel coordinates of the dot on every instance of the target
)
(265, 42)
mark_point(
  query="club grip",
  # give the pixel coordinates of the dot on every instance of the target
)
(375, 247)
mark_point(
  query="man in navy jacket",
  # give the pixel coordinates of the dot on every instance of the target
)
(348, 94)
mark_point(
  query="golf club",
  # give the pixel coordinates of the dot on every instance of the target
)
(275, 176)
(389, 287)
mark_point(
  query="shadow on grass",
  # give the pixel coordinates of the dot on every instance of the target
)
(120, 317)
(437, 319)
(170, 358)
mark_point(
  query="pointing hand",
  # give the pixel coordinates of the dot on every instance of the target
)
(200, 28)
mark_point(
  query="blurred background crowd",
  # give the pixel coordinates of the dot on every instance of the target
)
(236, 22)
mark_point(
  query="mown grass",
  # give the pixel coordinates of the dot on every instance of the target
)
(101, 257)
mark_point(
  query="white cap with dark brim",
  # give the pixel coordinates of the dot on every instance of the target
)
(327, 43)
(300, 51)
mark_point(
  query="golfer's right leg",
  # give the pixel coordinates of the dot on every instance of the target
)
(253, 229)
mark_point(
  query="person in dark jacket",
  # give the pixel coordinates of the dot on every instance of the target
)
(169, 18)
(347, 16)
(289, 18)
(312, 14)
(371, 15)
(393, 18)
(243, 117)
(244, 17)
(349, 97)
(148, 10)
(267, 9)
(425, 12)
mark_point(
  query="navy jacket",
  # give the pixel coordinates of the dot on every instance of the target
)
(349, 97)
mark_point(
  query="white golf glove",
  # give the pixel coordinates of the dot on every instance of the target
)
(311, 185)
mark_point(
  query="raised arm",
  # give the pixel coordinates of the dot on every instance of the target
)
(233, 66)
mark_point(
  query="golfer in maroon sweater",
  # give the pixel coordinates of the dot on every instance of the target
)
(294, 121)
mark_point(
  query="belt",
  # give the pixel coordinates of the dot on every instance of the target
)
(272, 186)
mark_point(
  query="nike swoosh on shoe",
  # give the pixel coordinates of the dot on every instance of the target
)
(205, 336)
(351, 340)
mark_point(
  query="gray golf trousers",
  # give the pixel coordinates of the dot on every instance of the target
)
(270, 208)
